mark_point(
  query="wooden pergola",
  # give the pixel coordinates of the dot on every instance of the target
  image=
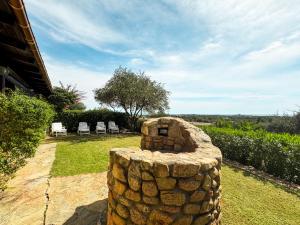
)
(21, 65)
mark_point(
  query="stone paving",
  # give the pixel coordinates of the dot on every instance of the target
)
(77, 199)
(23, 202)
(34, 198)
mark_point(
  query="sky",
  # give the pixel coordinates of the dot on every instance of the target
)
(215, 57)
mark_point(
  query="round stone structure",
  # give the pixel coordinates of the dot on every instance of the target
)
(173, 179)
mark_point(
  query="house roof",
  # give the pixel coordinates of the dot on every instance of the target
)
(18, 47)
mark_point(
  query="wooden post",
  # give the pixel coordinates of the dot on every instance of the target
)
(3, 84)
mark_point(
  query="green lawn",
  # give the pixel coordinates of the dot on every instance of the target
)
(245, 199)
(78, 155)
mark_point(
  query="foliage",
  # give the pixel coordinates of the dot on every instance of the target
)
(277, 154)
(65, 96)
(244, 125)
(23, 121)
(284, 124)
(77, 106)
(71, 118)
(297, 122)
(134, 93)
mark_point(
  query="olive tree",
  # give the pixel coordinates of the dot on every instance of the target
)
(135, 93)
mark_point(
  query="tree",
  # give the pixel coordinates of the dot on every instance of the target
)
(63, 97)
(77, 106)
(135, 93)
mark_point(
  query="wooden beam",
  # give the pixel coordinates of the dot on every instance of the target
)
(17, 51)
(6, 17)
(12, 41)
(16, 55)
(3, 84)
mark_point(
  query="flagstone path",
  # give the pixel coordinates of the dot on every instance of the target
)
(34, 198)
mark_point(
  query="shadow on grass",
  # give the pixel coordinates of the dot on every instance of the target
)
(267, 179)
(89, 214)
(74, 138)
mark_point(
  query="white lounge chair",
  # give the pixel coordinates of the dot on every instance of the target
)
(83, 128)
(100, 128)
(112, 127)
(57, 129)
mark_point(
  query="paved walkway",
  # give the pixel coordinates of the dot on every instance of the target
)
(77, 199)
(23, 202)
(33, 198)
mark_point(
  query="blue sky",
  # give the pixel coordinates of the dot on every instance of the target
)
(215, 57)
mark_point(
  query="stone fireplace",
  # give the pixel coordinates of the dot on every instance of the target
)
(173, 179)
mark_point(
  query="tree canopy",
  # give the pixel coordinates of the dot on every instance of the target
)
(135, 93)
(64, 97)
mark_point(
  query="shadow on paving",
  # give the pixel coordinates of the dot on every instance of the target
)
(89, 214)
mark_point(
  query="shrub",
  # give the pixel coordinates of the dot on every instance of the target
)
(71, 118)
(284, 124)
(23, 121)
(276, 154)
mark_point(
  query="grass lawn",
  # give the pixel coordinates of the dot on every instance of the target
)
(76, 155)
(245, 199)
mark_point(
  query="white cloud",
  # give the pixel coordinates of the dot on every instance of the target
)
(70, 21)
(214, 56)
(85, 79)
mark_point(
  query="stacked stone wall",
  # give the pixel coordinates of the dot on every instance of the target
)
(157, 187)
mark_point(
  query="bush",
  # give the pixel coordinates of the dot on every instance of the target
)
(71, 118)
(284, 124)
(276, 154)
(23, 121)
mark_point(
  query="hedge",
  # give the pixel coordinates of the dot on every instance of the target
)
(71, 118)
(23, 121)
(276, 154)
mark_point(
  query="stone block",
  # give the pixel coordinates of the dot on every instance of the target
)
(134, 169)
(134, 183)
(124, 201)
(122, 211)
(170, 209)
(166, 183)
(206, 183)
(197, 196)
(189, 184)
(137, 217)
(199, 176)
(149, 188)
(151, 200)
(159, 217)
(117, 219)
(177, 148)
(207, 206)
(143, 208)
(133, 195)
(118, 172)
(214, 172)
(203, 219)
(123, 159)
(147, 176)
(191, 209)
(175, 198)
(161, 169)
(184, 220)
(119, 187)
(185, 169)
